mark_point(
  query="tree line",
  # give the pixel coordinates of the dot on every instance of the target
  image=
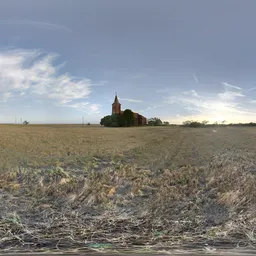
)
(197, 124)
(127, 119)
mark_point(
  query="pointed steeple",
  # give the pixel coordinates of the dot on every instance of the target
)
(116, 106)
(116, 100)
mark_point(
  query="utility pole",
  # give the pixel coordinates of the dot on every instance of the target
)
(15, 120)
(21, 120)
(83, 120)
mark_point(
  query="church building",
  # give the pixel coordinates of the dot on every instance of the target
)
(116, 109)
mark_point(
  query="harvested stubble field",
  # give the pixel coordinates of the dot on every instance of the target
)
(69, 187)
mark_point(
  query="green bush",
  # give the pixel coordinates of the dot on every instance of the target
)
(155, 121)
(195, 124)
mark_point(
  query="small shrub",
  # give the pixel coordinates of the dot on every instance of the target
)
(155, 121)
(195, 124)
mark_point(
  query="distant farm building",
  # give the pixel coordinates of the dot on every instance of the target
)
(138, 118)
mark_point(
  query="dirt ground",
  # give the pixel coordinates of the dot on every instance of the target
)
(75, 145)
(69, 187)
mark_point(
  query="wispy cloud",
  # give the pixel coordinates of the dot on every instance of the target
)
(227, 85)
(86, 107)
(231, 92)
(150, 108)
(101, 83)
(131, 100)
(224, 105)
(195, 78)
(229, 95)
(32, 73)
(191, 93)
(252, 89)
(38, 24)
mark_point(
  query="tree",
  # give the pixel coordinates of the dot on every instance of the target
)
(187, 123)
(195, 124)
(127, 118)
(110, 121)
(166, 123)
(26, 122)
(155, 121)
(106, 121)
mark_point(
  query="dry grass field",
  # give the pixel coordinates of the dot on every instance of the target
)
(69, 187)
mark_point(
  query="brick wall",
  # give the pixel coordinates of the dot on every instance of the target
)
(116, 108)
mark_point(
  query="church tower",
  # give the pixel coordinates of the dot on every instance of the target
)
(116, 106)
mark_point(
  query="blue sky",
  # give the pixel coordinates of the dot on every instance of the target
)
(177, 60)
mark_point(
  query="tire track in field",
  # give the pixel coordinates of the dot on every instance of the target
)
(156, 151)
(187, 146)
(185, 152)
(174, 151)
(169, 151)
(171, 148)
(188, 150)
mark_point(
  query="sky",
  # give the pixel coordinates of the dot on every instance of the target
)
(63, 60)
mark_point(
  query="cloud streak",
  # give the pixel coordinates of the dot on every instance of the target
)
(131, 100)
(231, 92)
(37, 24)
(227, 85)
(252, 89)
(195, 78)
(191, 93)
